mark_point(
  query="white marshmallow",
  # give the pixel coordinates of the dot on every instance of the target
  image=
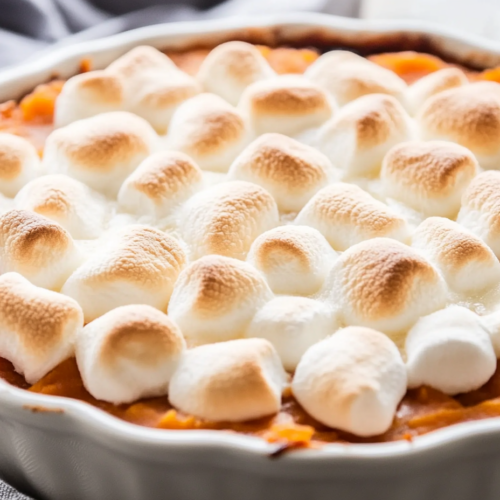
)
(466, 262)
(468, 115)
(292, 325)
(230, 381)
(37, 327)
(352, 381)
(230, 68)
(383, 284)
(492, 324)
(346, 214)
(19, 163)
(139, 266)
(89, 94)
(287, 104)
(291, 171)
(451, 351)
(432, 84)
(216, 297)
(78, 209)
(210, 131)
(360, 134)
(293, 259)
(480, 212)
(129, 353)
(100, 151)
(429, 176)
(37, 248)
(226, 218)
(160, 183)
(348, 76)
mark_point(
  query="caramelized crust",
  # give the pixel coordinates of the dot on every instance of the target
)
(38, 317)
(30, 239)
(101, 87)
(380, 276)
(221, 284)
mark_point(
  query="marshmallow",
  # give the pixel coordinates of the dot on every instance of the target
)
(287, 104)
(210, 131)
(348, 76)
(38, 327)
(88, 94)
(383, 284)
(230, 68)
(70, 203)
(492, 324)
(480, 212)
(292, 325)
(432, 84)
(468, 115)
(138, 266)
(451, 351)
(466, 262)
(352, 381)
(226, 218)
(100, 151)
(216, 297)
(129, 353)
(19, 163)
(154, 86)
(37, 248)
(360, 134)
(162, 181)
(293, 259)
(231, 381)
(346, 214)
(291, 171)
(429, 176)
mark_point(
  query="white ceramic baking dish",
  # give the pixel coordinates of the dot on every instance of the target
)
(61, 449)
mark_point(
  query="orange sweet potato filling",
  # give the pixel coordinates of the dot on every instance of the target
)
(422, 410)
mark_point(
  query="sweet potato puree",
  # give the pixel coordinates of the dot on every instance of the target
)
(422, 410)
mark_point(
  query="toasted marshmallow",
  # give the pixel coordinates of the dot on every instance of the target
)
(129, 353)
(468, 115)
(88, 94)
(66, 201)
(154, 86)
(210, 131)
(229, 381)
(292, 325)
(360, 134)
(37, 326)
(230, 68)
(346, 214)
(480, 212)
(287, 104)
(383, 284)
(100, 151)
(348, 76)
(429, 85)
(291, 171)
(37, 248)
(160, 183)
(139, 266)
(450, 350)
(352, 381)
(294, 259)
(466, 262)
(226, 218)
(216, 297)
(429, 176)
(19, 163)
